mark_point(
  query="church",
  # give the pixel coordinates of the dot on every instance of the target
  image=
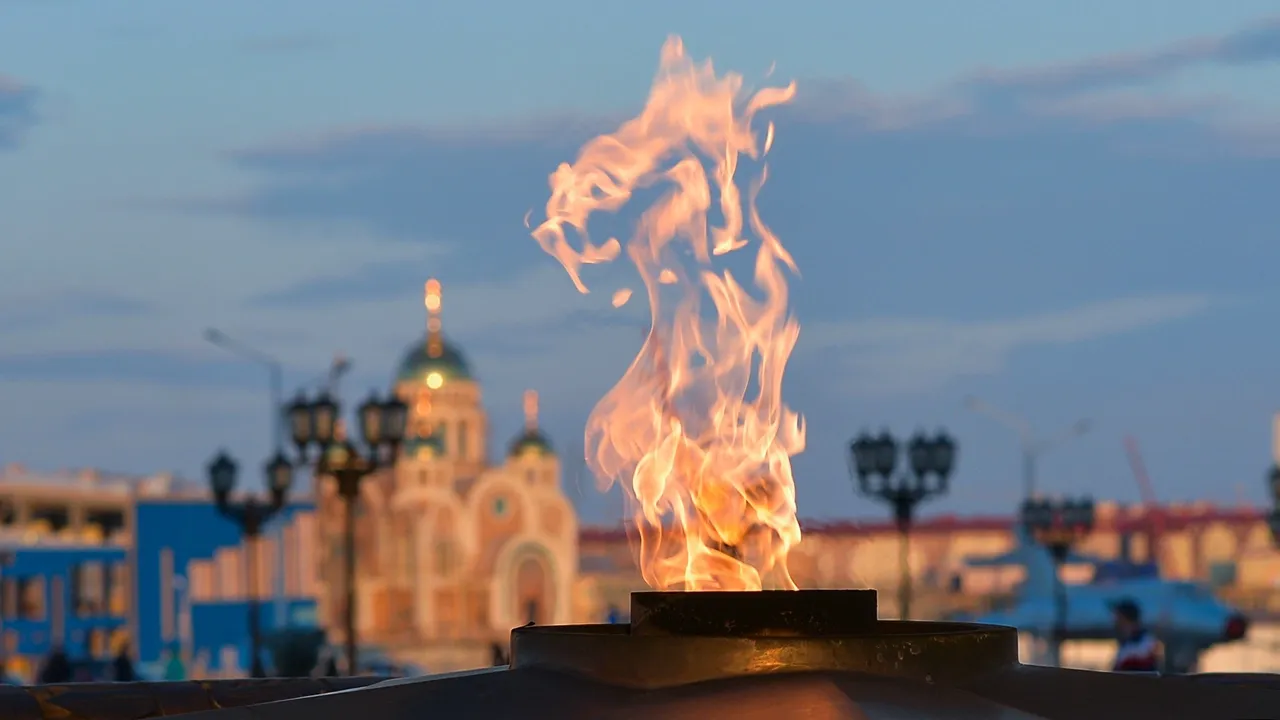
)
(452, 548)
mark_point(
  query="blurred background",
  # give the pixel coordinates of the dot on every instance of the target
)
(1035, 233)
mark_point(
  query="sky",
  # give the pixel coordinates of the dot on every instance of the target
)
(1064, 209)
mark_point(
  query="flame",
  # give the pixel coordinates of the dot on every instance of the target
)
(707, 469)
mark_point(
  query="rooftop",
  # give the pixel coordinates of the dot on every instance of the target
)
(93, 481)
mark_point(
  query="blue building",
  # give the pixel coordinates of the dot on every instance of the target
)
(95, 564)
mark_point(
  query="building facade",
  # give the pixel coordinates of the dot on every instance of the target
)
(452, 547)
(1229, 548)
(95, 563)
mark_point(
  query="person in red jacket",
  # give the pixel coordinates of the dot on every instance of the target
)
(1138, 649)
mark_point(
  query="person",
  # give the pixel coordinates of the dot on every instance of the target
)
(327, 664)
(122, 666)
(1138, 650)
(57, 667)
(499, 655)
(173, 667)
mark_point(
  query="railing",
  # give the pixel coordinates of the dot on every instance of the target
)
(135, 701)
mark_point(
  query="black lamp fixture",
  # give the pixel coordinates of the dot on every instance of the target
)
(251, 514)
(874, 460)
(1058, 525)
(317, 424)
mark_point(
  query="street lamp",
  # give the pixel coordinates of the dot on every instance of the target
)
(874, 460)
(1273, 519)
(251, 514)
(317, 423)
(1033, 446)
(1058, 525)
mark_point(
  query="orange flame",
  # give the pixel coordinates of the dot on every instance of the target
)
(706, 468)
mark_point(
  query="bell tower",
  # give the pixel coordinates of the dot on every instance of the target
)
(444, 398)
(530, 453)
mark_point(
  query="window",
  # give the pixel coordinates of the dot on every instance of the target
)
(31, 600)
(109, 521)
(117, 589)
(88, 588)
(422, 477)
(500, 507)
(444, 558)
(55, 518)
(462, 439)
(98, 643)
(408, 568)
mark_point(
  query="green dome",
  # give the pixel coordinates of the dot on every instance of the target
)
(418, 364)
(415, 445)
(530, 441)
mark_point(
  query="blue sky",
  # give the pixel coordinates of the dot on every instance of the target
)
(1063, 208)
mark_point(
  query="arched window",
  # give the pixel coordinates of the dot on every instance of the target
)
(445, 557)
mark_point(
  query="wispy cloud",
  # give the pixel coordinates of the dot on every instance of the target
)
(912, 355)
(152, 367)
(19, 311)
(366, 282)
(1256, 42)
(17, 110)
(1027, 169)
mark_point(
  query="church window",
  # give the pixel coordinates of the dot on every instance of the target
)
(462, 439)
(444, 558)
(407, 569)
(500, 507)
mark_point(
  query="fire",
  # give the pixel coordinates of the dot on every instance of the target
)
(696, 430)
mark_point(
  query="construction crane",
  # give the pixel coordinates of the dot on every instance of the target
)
(1152, 512)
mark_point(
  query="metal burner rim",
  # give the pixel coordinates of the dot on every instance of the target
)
(941, 652)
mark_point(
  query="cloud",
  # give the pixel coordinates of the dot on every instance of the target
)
(24, 311)
(152, 367)
(1011, 231)
(1257, 42)
(902, 355)
(17, 110)
(1044, 187)
(373, 281)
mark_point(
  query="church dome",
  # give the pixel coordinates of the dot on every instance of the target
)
(433, 361)
(530, 442)
(419, 364)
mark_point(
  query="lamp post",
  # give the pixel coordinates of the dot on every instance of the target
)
(251, 514)
(1058, 525)
(317, 423)
(1033, 446)
(1273, 481)
(874, 460)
